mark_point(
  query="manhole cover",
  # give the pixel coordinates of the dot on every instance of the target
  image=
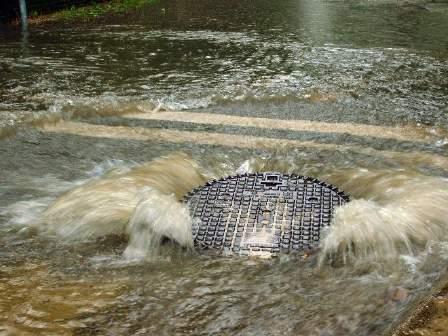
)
(262, 214)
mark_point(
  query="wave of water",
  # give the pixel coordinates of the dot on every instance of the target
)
(393, 213)
(402, 217)
(141, 202)
(157, 216)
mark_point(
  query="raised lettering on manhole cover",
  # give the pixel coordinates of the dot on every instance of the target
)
(262, 214)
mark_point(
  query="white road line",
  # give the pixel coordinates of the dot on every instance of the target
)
(231, 140)
(403, 133)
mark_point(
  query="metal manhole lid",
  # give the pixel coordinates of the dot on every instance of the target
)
(262, 214)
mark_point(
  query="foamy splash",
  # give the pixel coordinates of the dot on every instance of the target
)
(141, 202)
(393, 212)
(399, 212)
(157, 216)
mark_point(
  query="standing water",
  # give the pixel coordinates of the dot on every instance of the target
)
(133, 115)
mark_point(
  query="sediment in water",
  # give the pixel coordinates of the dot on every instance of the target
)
(141, 202)
(393, 212)
(396, 212)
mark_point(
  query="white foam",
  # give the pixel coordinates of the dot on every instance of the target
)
(142, 203)
(157, 216)
(401, 213)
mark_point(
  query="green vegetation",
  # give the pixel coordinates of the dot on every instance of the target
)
(96, 10)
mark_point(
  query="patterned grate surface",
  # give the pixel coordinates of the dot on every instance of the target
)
(262, 214)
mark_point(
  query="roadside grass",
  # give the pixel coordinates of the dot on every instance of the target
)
(90, 12)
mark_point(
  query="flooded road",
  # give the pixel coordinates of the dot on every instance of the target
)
(126, 114)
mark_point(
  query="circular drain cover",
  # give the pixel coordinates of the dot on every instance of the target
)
(262, 214)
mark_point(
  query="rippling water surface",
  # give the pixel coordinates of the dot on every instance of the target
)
(131, 115)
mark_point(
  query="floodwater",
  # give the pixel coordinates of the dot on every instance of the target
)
(131, 113)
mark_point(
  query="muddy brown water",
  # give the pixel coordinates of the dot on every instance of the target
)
(354, 93)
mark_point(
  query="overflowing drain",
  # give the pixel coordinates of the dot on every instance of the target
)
(262, 214)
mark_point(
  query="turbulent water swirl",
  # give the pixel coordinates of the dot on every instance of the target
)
(392, 213)
(400, 214)
(141, 202)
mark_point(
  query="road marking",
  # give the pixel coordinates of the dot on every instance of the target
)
(232, 140)
(403, 133)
